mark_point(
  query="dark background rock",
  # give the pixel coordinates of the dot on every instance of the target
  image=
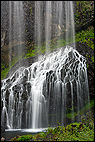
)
(84, 50)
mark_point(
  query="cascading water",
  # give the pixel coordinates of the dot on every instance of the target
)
(70, 27)
(45, 92)
(54, 20)
(16, 29)
(40, 94)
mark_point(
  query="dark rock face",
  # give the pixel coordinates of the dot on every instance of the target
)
(2, 129)
(88, 52)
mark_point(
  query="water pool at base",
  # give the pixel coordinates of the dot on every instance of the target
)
(27, 130)
(11, 133)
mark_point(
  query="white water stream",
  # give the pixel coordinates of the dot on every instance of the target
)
(43, 92)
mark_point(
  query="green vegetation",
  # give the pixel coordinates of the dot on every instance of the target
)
(4, 73)
(84, 12)
(5, 70)
(22, 138)
(88, 106)
(86, 37)
(92, 58)
(25, 138)
(77, 131)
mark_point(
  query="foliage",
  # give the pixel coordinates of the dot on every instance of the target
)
(77, 131)
(23, 138)
(84, 12)
(53, 45)
(2, 66)
(29, 54)
(87, 107)
(5, 70)
(86, 36)
(92, 58)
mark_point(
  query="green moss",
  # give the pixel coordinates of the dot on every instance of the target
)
(92, 58)
(4, 73)
(77, 131)
(52, 45)
(2, 66)
(29, 55)
(84, 12)
(86, 108)
(31, 10)
(87, 65)
(86, 36)
(5, 70)
(71, 115)
(24, 138)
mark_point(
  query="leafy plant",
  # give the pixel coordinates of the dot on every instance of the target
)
(25, 138)
(86, 36)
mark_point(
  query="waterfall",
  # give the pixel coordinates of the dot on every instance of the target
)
(48, 18)
(42, 94)
(54, 20)
(38, 24)
(16, 29)
(70, 27)
(39, 95)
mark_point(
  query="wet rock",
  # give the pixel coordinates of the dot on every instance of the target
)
(63, 73)
(7, 97)
(45, 89)
(29, 87)
(35, 68)
(24, 79)
(2, 129)
(50, 72)
(24, 96)
(16, 88)
(1, 83)
(70, 55)
(1, 105)
(24, 86)
(66, 79)
(8, 81)
(13, 79)
(82, 76)
(26, 72)
(88, 52)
